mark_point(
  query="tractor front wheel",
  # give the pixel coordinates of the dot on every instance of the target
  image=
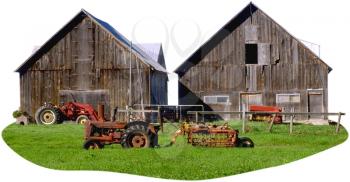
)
(82, 119)
(47, 115)
(89, 144)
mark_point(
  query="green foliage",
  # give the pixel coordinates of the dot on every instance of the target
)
(60, 147)
(17, 114)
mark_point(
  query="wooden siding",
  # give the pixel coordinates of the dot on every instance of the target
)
(159, 88)
(293, 68)
(106, 62)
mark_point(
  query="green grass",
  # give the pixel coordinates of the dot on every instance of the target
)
(60, 147)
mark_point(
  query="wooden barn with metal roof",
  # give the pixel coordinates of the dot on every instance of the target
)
(254, 60)
(91, 61)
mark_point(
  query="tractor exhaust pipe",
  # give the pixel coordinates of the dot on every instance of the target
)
(101, 112)
(115, 111)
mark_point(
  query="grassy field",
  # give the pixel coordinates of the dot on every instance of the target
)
(60, 147)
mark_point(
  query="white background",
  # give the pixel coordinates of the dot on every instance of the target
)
(182, 26)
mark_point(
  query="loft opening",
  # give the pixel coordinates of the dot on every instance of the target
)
(251, 53)
(257, 53)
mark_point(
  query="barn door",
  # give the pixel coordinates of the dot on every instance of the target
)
(315, 104)
(248, 99)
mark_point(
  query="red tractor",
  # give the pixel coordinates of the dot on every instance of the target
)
(51, 114)
(134, 134)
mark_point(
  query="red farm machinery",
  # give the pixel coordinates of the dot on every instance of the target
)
(265, 116)
(205, 135)
(134, 134)
(74, 111)
(98, 130)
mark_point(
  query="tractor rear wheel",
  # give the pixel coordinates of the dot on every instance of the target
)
(82, 119)
(245, 142)
(90, 144)
(135, 138)
(48, 115)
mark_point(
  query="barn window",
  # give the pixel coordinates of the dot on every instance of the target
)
(217, 99)
(287, 98)
(251, 54)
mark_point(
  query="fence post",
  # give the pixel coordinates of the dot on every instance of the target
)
(243, 120)
(160, 120)
(203, 114)
(127, 114)
(271, 123)
(196, 117)
(180, 116)
(338, 123)
(291, 124)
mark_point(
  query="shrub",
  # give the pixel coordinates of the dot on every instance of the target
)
(17, 114)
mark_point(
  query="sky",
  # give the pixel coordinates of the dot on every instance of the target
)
(181, 26)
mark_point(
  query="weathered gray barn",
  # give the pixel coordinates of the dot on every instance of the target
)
(253, 60)
(91, 61)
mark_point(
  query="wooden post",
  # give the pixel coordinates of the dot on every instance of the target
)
(203, 114)
(127, 114)
(243, 120)
(130, 91)
(291, 124)
(271, 123)
(338, 123)
(180, 117)
(160, 120)
(196, 117)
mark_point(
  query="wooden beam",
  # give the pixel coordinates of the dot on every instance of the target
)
(271, 123)
(338, 123)
(291, 124)
(243, 120)
(259, 112)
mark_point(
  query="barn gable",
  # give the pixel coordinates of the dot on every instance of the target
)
(92, 62)
(253, 60)
(226, 30)
(73, 23)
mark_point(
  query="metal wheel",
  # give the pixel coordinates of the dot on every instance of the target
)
(93, 145)
(245, 142)
(135, 139)
(47, 115)
(82, 119)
